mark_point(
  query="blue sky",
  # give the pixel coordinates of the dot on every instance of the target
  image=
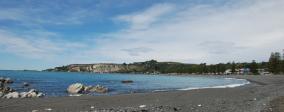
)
(40, 34)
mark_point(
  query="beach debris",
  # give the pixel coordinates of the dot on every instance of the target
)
(142, 106)
(127, 81)
(199, 105)
(48, 109)
(75, 88)
(92, 107)
(254, 99)
(34, 110)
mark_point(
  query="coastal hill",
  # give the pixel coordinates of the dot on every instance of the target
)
(154, 66)
(137, 67)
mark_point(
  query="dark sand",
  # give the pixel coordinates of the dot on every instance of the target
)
(263, 94)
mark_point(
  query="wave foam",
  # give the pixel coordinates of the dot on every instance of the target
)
(224, 86)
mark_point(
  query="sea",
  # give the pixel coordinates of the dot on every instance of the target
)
(54, 84)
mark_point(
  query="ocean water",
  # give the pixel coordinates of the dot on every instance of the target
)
(56, 83)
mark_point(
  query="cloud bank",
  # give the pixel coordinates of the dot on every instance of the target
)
(233, 32)
(191, 33)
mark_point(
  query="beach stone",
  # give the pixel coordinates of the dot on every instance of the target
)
(142, 106)
(12, 95)
(100, 89)
(75, 88)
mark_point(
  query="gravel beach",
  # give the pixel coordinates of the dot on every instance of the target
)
(263, 94)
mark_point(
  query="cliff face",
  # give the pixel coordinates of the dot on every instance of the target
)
(97, 68)
(151, 66)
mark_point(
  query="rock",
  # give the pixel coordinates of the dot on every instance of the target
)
(142, 106)
(33, 90)
(7, 90)
(8, 81)
(25, 84)
(48, 109)
(24, 94)
(2, 79)
(12, 95)
(101, 89)
(1, 94)
(31, 95)
(40, 95)
(88, 88)
(127, 81)
(75, 88)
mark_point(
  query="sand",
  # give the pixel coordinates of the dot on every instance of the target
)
(262, 94)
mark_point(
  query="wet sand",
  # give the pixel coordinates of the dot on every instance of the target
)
(261, 95)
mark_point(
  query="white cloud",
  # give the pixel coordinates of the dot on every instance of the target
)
(142, 20)
(240, 32)
(38, 46)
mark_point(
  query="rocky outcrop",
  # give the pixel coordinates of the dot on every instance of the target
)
(138, 67)
(12, 95)
(79, 88)
(8, 93)
(75, 88)
(100, 89)
(31, 94)
(97, 68)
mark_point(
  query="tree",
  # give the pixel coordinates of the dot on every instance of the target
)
(275, 63)
(254, 67)
(203, 68)
(282, 63)
(233, 68)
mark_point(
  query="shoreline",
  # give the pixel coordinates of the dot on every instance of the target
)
(253, 97)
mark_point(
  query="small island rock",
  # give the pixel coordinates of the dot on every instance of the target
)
(127, 81)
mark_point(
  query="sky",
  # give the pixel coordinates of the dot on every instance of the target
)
(41, 34)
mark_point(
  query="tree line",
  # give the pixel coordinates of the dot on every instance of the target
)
(274, 65)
